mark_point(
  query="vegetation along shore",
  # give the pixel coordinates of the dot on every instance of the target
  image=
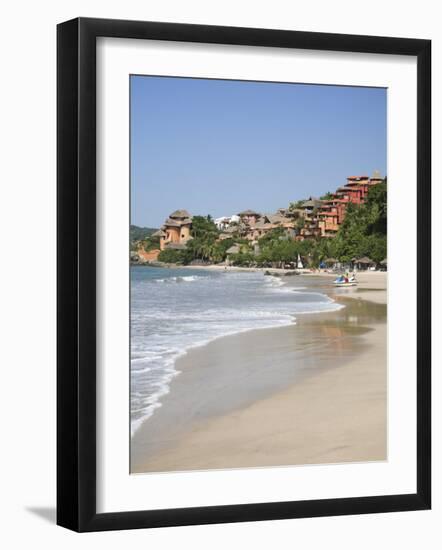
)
(338, 229)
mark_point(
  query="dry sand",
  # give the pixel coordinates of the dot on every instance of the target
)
(332, 410)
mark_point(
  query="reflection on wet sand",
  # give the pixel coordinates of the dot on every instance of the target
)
(238, 372)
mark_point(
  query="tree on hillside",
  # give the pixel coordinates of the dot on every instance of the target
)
(327, 196)
(171, 256)
(273, 235)
(140, 233)
(300, 223)
(295, 205)
(151, 243)
(203, 228)
(364, 229)
(219, 249)
(377, 208)
(204, 236)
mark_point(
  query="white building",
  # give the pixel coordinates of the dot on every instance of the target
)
(224, 222)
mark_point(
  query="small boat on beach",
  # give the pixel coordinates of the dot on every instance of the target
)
(343, 281)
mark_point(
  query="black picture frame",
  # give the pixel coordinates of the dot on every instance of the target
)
(76, 273)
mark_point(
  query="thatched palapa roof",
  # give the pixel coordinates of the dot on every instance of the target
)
(262, 223)
(312, 203)
(363, 260)
(276, 218)
(180, 214)
(234, 249)
(172, 222)
(249, 213)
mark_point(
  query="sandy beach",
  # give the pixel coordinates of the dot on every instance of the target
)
(310, 393)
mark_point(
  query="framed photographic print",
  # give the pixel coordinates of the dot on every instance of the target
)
(243, 274)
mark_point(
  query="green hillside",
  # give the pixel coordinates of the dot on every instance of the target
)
(140, 233)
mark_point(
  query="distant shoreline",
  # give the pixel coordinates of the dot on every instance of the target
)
(227, 268)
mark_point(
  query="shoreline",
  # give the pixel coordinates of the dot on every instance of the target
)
(226, 426)
(217, 267)
(316, 272)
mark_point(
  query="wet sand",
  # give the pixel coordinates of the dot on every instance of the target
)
(309, 393)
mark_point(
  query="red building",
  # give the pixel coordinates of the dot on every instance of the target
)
(355, 191)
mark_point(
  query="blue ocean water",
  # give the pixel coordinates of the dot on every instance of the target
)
(173, 310)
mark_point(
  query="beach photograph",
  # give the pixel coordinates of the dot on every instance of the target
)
(258, 274)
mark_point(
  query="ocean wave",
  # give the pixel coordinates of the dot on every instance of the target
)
(180, 279)
(274, 281)
(168, 321)
(336, 307)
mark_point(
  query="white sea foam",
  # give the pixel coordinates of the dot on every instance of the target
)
(181, 279)
(169, 319)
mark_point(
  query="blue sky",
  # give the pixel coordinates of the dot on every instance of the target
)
(219, 147)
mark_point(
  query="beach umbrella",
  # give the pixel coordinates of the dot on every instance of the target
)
(364, 260)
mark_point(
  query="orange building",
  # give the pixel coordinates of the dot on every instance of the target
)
(328, 220)
(355, 191)
(249, 217)
(176, 229)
